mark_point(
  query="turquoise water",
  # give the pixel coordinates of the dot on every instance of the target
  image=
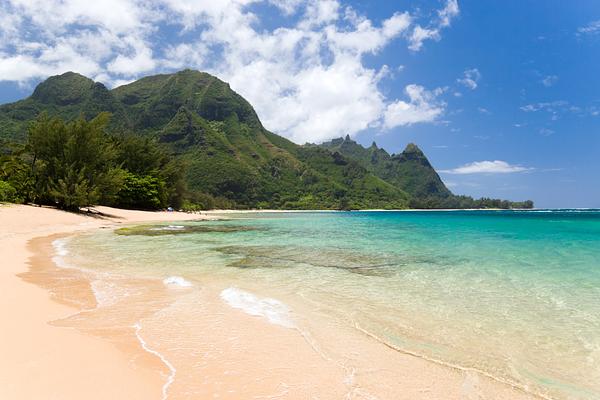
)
(514, 295)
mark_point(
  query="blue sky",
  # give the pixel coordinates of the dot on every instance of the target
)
(503, 96)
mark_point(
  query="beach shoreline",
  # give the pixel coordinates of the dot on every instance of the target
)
(67, 363)
(39, 360)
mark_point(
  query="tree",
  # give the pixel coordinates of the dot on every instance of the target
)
(146, 192)
(16, 173)
(73, 164)
(145, 159)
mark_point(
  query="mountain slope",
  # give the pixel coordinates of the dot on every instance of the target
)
(155, 99)
(67, 95)
(227, 153)
(219, 137)
(409, 171)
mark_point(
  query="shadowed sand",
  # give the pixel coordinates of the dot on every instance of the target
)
(224, 354)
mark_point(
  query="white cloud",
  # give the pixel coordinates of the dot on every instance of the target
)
(559, 108)
(483, 110)
(54, 36)
(306, 79)
(422, 106)
(549, 80)
(546, 132)
(420, 34)
(321, 12)
(590, 29)
(287, 6)
(486, 167)
(366, 38)
(470, 78)
(432, 31)
(450, 11)
(549, 106)
(140, 61)
(450, 184)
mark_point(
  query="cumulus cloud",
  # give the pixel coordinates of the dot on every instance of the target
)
(470, 78)
(51, 37)
(306, 78)
(422, 106)
(486, 167)
(433, 31)
(420, 34)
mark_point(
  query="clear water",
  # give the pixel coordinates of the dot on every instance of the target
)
(514, 295)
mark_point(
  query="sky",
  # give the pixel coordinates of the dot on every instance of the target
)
(502, 96)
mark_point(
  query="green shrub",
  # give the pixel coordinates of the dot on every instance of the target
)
(8, 193)
(145, 192)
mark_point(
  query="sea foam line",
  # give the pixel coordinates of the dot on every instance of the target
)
(503, 381)
(278, 313)
(173, 371)
(273, 310)
(60, 251)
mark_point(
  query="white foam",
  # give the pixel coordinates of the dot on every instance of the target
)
(169, 228)
(177, 281)
(60, 252)
(172, 370)
(273, 310)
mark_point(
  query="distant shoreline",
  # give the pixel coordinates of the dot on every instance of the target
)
(231, 211)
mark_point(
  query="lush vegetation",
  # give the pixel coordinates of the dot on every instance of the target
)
(412, 172)
(186, 140)
(77, 164)
(8, 193)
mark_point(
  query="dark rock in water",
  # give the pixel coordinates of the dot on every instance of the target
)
(160, 230)
(286, 256)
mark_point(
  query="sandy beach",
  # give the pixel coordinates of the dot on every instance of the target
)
(40, 361)
(44, 360)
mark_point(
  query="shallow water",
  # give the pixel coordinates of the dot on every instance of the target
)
(513, 295)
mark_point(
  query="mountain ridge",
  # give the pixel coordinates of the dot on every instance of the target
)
(227, 151)
(410, 170)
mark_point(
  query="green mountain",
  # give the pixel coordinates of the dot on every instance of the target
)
(67, 96)
(226, 151)
(409, 170)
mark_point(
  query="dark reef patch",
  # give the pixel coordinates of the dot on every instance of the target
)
(161, 230)
(285, 257)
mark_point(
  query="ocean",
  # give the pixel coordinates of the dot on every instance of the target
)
(512, 296)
